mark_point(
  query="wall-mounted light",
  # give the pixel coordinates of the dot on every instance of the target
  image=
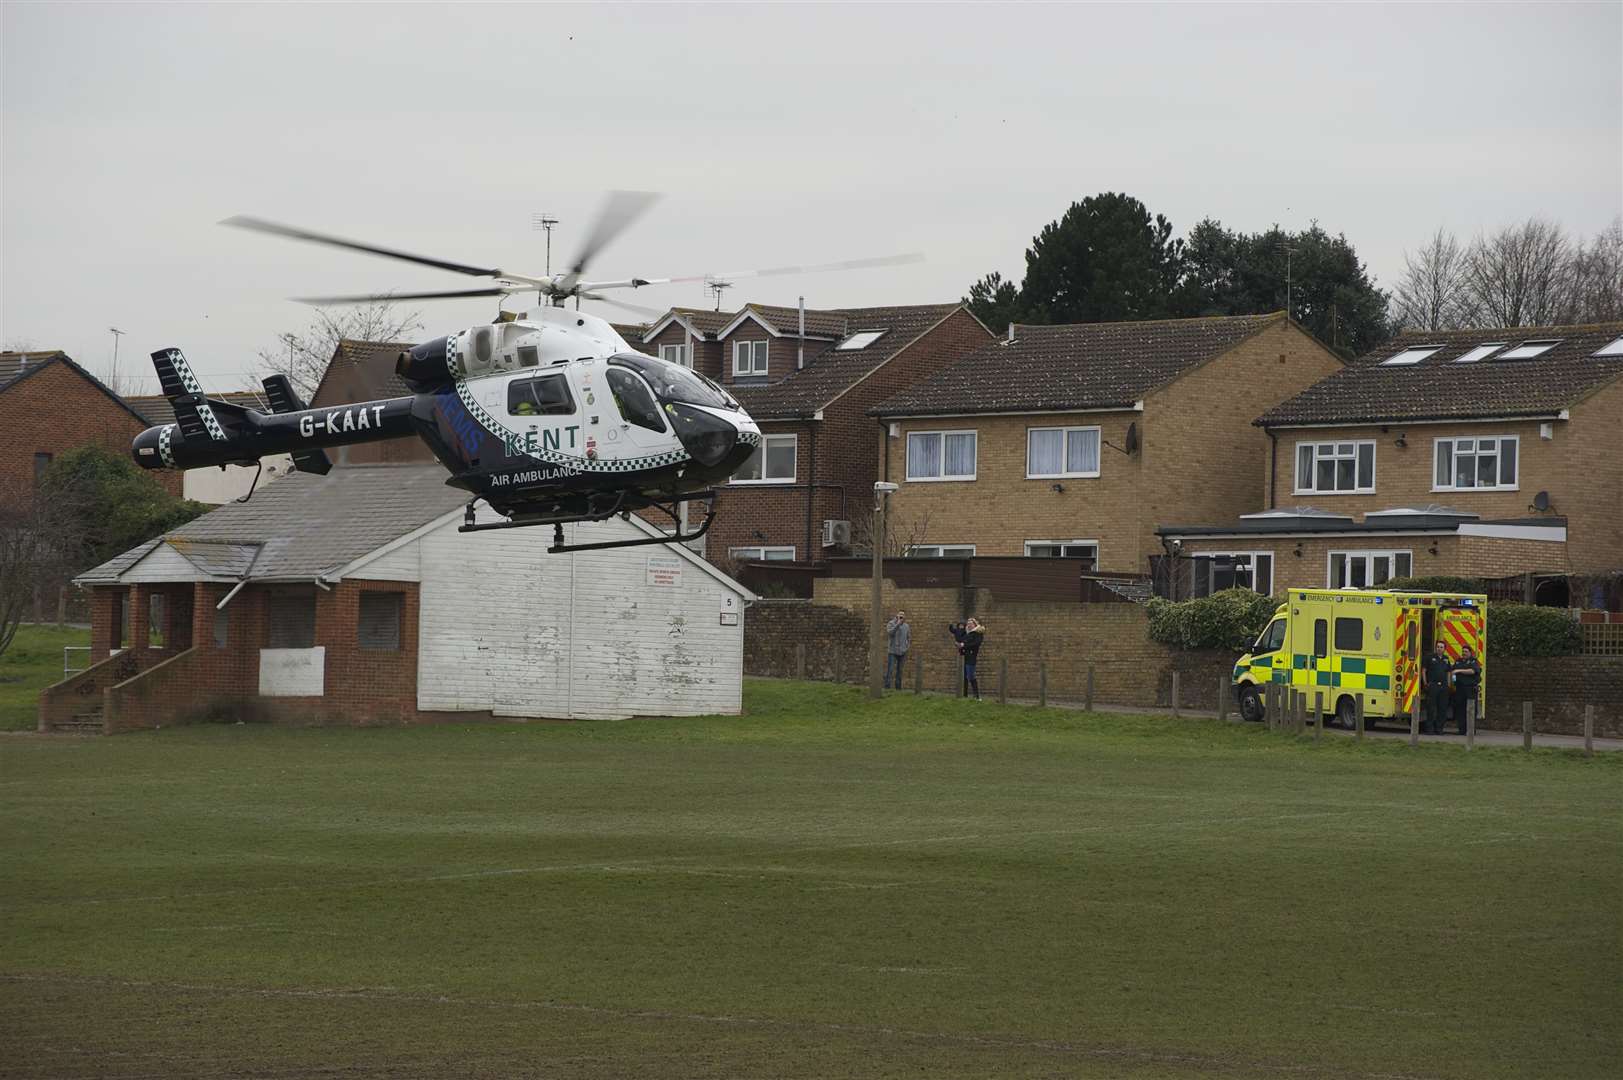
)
(1298, 551)
(1402, 440)
(1433, 548)
(1057, 487)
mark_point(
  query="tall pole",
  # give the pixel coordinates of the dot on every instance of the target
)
(112, 371)
(876, 629)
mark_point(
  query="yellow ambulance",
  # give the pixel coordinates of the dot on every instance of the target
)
(1354, 643)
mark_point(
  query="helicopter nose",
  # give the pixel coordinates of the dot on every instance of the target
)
(707, 437)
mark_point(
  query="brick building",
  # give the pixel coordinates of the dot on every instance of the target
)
(1078, 441)
(50, 405)
(1478, 452)
(810, 391)
(352, 598)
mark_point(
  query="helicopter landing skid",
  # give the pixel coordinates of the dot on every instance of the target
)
(559, 519)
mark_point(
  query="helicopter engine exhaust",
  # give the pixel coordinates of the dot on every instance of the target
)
(424, 367)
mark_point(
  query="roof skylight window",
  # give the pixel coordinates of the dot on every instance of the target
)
(1614, 349)
(1481, 352)
(1412, 355)
(859, 340)
(1529, 349)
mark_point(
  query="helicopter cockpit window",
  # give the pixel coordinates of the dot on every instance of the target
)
(631, 397)
(545, 395)
(672, 382)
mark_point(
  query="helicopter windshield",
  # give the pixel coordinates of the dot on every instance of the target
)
(673, 382)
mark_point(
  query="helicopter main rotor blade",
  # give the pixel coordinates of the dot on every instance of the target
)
(243, 221)
(619, 210)
(776, 271)
(636, 309)
(369, 298)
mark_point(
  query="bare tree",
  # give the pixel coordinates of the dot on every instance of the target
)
(1598, 277)
(901, 532)
(1522, 275)
(303, 355)
(36, 540)
(1433, 294)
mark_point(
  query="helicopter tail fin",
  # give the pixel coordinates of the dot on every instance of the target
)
(194, 413)
(284, 399)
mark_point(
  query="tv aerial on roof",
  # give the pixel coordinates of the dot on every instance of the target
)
(548, 417)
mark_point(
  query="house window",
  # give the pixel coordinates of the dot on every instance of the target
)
(1412, 355)
(676, 354)
(1529, 349)
(119, 613)
(1064, 549)
(761, 554)
(544, 395)
(1614, 348)
(634, 400)
(749, 357)
(222, 627)
(1055, 452)
(41, 463)
(379, 627)
(1481, 352)
(939, 551)
(859, 340)
(1219, 570)
(290, 618)
(1366, 569)
(941, 455)
(1474, 464)
(1335, 468)
(773, 462)
(157, 623)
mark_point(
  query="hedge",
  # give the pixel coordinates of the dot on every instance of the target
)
(1229, 620)
(1437, 583)
(1528, 630)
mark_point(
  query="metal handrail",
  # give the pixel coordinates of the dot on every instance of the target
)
(66, 670)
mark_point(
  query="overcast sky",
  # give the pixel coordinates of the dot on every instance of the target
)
(779, 134)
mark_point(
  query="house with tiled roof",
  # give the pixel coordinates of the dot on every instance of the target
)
(1486, 453)
(808, 377)
(49, 404)
(1077, 441)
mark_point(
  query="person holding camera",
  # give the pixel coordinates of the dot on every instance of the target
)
(899, 635)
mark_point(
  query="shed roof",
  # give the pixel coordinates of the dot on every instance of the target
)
(1075, 367)
(1438, 387)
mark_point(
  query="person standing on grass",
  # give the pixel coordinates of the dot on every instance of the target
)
(974, 636)
(1434, 681)
(900, 636)
(1467, 675)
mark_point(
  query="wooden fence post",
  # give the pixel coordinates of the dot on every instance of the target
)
(1589, 730)
(1527, 725)
(918, 673)
(1003, 680)
(1087, 700)
(1301, 711)
(1042, 683)
(1269, 693)
(1470, 724)
(1174, 693)
(1318, 715)
(1358, 718)
(1222, 698)
(1414, 722)
(800, 660)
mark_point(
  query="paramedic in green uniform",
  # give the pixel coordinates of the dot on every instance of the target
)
(1434, 681)
(1467, 677)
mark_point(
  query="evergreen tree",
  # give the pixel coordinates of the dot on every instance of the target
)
(994, 302)
(114, 504)
(1105, 260)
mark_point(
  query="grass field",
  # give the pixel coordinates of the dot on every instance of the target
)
(33, 662)
(826, 887)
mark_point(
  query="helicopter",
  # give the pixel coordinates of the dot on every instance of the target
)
(548, 416)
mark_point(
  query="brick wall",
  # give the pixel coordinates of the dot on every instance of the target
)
(1559, 688)
(56, 410)
(1198, 463)
(1579, 466)
(834, 640)
(361, 686)
(707, 358)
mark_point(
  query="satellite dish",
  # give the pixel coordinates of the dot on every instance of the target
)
(1541, 501)
(1132, 438)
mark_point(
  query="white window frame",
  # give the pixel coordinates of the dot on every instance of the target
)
(1453, 456)
(759, 553)
(917, 551)
(943, 478)
(1611, 348)
(1211, 585)
(1094, 544)
(1066, 454)
(1413, 354)
(794, 441)
(1312, 472)
(755, 352)
(1530, 349)
(676, 354)
(864, 337)
(1369, 554)
(1480, 352)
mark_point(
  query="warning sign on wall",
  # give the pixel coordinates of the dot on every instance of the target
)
(665, 570)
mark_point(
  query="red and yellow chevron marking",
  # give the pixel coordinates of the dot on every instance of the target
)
(1405, 668)
(1459, 629)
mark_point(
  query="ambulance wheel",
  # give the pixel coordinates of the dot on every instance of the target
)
(1250, 704)
(1344, 712)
